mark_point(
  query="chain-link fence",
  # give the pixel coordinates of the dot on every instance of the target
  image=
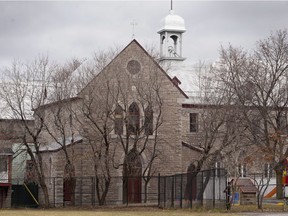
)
(179, 191)
(204, 188)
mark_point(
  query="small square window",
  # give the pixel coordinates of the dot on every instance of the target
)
(242, 169)
(282, 122)
(193, 122)
(3, 164)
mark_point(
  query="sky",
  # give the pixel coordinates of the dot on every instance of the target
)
(69, 29)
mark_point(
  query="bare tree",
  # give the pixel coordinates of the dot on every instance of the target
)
(97, 111)
(59, 120)
(259, 84)
(217, 128)
(262, 181)
(59, 123)
(24, 89)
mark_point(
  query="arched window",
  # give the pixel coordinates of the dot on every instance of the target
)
(118, 127)
(148, 123)
(173, 46)
(162, 40)
(133, 119)
(174, 38)
(69, 183)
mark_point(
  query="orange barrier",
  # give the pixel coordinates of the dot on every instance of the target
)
(271, 193)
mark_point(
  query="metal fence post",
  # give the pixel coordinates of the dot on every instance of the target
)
(54, 192)
(172, 191)
(181, 188)
(127, 192)
(159, 189)
(214, 178)
(219, 186)
(164, 195)
(202, 191)
(81, 188)
(191, 191)
(92, 192)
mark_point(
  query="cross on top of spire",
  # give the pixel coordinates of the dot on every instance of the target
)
(133, 23)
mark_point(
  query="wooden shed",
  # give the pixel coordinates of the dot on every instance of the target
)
(247, 191)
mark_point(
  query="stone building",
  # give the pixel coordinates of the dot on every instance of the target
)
(129, 120)
(138, 118)
(143, 121)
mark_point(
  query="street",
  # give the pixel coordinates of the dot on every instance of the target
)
(265, 214)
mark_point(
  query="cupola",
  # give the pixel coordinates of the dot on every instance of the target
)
(172, 22)
(172, 28)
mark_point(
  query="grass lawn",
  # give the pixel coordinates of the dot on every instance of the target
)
(109, 212)
(139, 211)
(253, 208)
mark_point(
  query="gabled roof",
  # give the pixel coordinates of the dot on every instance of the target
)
(54, 146)
(146, 53)
(54, 103)
(246, 185)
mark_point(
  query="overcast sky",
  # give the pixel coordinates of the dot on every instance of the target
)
(76, 29)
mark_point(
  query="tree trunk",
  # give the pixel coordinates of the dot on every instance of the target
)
(204, 184)
(125, 190)
(259, 201)
(279, 187)
(102, 193)
(45, 193)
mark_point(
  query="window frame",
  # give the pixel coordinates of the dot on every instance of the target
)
(242, 170)
(118, 120)
(282, 122)
(148, 120)
(133, 126)
(3, 163)
(193, 122)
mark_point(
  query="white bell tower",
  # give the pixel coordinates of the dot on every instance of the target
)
(172, 28)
